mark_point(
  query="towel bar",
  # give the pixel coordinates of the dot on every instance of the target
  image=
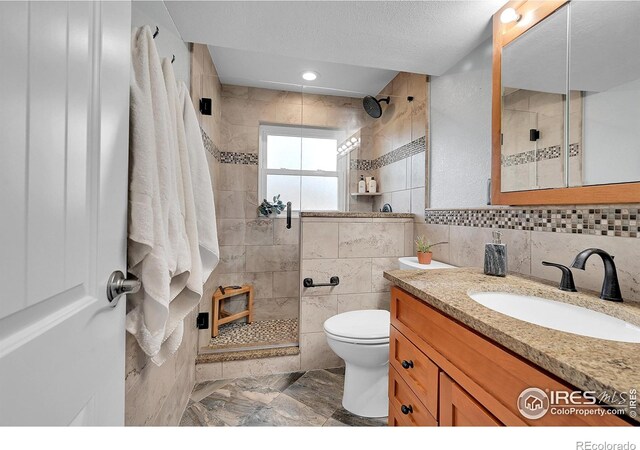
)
(333, 281)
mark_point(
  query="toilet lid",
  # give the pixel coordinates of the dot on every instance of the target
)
(365, 324)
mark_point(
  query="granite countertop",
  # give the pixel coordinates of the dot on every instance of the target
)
(342, 214)
(586, 363)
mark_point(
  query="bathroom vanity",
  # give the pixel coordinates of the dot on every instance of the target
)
(454, 362)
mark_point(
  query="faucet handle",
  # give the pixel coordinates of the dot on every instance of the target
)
(566, 283)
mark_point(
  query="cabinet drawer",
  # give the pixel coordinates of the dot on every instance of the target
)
(459, 409)
(404, 406)
(418, 371)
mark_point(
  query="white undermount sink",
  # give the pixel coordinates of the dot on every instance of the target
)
(559, 316)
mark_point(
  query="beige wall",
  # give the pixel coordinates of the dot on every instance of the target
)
(357, 250)
(527, 249)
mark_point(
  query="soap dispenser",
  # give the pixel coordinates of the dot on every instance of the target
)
(495, 256)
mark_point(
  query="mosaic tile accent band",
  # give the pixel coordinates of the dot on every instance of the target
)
(538, 155)
(250, 159)
(209, 145)
(400, 153)
(602, 221)
(410, 149)
(227, 157)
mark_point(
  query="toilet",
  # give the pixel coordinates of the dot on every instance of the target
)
(361, 339)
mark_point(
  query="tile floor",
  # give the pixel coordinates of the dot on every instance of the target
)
(312, 398)
(259, 334)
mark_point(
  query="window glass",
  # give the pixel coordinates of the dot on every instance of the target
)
(283, 152)
(319, 154)
(302, 170)
(319, 193)
(288, 186)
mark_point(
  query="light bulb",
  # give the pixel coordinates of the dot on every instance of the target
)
(309, 75)
(509, 15)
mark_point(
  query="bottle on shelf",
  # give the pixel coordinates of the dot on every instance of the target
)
(373, 186)
(361, 185)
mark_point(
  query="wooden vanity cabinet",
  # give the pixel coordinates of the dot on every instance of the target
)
(459, 409)
(442, 372)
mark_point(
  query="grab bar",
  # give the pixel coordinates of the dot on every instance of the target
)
(288, 215)
(333, 281)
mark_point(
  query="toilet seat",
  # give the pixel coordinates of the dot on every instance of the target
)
(365, 327)
(381, 341)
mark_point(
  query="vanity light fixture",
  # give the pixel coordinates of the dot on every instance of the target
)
(309, 75)
(509, 15)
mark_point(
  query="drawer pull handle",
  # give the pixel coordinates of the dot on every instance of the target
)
(407, 364)
(406, 409)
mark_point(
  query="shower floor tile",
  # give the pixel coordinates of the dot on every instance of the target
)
(258, 335)
(312, 398)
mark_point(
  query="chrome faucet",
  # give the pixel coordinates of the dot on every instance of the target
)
(610, 287)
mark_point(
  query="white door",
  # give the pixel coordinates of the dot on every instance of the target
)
(64, 96)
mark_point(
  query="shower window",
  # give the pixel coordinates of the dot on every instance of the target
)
(300, 164)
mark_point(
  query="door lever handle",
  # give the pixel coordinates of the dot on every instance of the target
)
(118, 284)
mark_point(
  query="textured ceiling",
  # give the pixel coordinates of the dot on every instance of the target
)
(424, 36)
(245, 68)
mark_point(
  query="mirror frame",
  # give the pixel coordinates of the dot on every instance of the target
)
(533, 12)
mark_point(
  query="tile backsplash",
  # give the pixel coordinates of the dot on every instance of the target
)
(601, 220)
(536, 234)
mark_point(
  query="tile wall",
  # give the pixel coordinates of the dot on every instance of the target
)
(357, 250)
(258, 250)
(397, 146)
(534, 235)
(253, 249)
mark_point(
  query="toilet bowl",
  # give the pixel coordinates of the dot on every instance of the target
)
(361, 339)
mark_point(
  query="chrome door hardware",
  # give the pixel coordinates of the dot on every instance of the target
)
(118, 285)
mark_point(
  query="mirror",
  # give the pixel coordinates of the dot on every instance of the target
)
(604, 112)
(534, 85)
(569, 104)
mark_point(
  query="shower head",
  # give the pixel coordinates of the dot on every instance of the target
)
(372, 105)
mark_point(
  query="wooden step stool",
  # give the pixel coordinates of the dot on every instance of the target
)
(220, 316)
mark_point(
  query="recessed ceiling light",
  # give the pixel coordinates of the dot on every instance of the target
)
(309, 75)
(509, 15)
